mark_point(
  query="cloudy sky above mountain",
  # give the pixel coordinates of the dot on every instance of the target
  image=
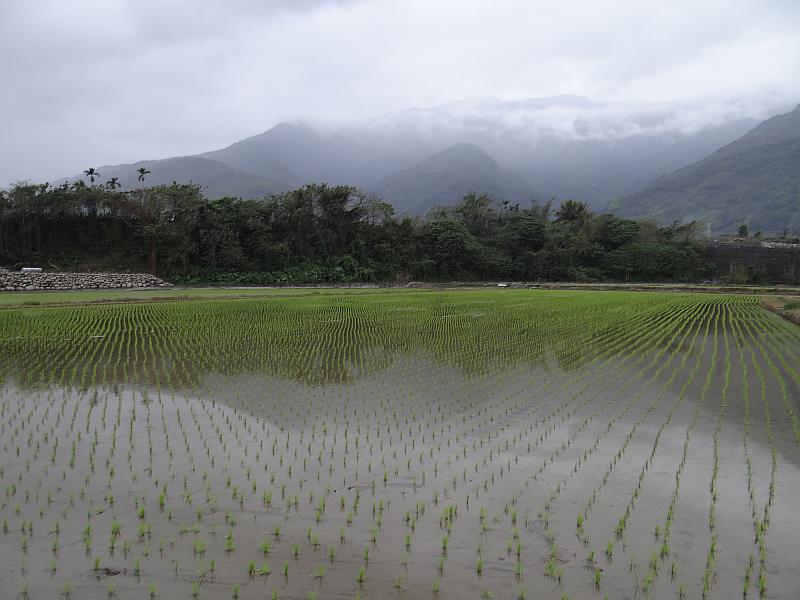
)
(91, 82)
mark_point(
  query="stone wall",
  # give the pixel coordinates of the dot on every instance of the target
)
(14, 281)
(767, 262)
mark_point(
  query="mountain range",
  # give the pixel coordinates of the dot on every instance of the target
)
(753, 181)
(606, 154)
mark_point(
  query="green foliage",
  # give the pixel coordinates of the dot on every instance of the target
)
(324, 234)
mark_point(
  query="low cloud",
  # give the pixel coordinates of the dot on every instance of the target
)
(96, 82)
(573, 118)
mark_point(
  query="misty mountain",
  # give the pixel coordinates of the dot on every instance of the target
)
(754, 180)
(445, 178)
(562, 146)
(344, 156)
(596, 171)
(565, 146)
(571, 146)
(215, 178)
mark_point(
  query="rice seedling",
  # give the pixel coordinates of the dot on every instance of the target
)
(228, 426)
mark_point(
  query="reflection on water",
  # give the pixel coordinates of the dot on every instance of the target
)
(199, 429)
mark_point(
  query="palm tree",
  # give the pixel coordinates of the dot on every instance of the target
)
(113, 183)
(142, 172)
(91, 173)
(573, 211)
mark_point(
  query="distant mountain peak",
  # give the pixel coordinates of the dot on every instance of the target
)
(462, 152)
(447, 176)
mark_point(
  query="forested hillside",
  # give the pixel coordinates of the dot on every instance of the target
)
(754, 181)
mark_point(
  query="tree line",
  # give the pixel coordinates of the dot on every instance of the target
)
(322, 233)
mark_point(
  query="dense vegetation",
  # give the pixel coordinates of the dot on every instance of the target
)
(322, 233)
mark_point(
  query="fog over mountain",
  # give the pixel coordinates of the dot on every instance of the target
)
(558, 147)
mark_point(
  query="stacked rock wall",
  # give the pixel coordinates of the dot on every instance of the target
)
(14, 281)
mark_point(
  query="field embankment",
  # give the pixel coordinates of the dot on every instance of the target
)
(787, 307)
(177, 293)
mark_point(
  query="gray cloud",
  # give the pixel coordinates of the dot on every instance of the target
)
(95, 82)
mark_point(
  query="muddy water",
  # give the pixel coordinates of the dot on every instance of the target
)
(424, 475)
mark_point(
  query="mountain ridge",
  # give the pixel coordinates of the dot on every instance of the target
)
(564, 146)
(754, 180)
(446, 177)
(215, 178)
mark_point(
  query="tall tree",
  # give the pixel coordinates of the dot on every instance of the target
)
(573, 211)
(92, 174)
(113, 183)
(142, 172)
(476, 213)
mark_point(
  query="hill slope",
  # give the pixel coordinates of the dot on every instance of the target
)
(572, 147)
(445, 178)
(754, 180)
(216, 179)
(569, 146)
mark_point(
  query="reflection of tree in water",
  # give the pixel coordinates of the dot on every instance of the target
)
(316, 339)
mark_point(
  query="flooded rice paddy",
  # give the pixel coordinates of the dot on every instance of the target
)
(500, 444)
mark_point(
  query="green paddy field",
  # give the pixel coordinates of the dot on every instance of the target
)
(365, 443)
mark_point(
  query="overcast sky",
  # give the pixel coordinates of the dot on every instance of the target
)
(91, 82)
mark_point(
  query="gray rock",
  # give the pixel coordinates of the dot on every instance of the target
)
(13, 281)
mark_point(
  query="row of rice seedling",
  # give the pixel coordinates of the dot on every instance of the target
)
(680, 336)
(420, 444)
